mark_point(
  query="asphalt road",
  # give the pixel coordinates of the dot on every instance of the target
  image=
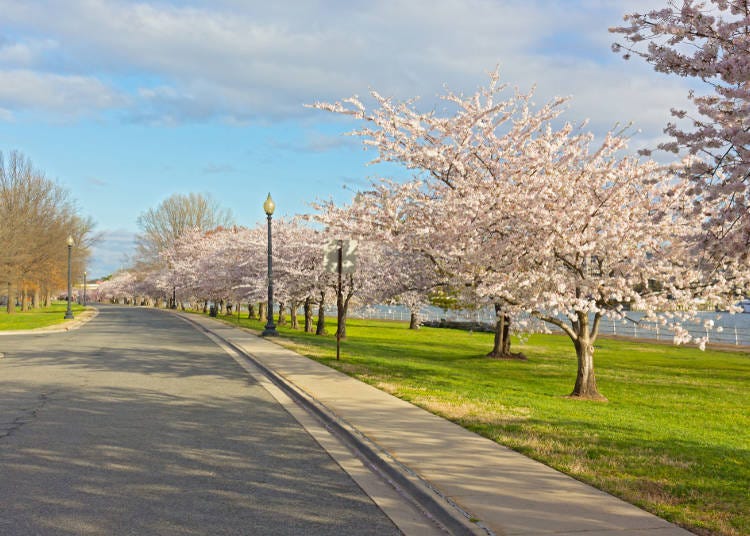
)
(138, 424)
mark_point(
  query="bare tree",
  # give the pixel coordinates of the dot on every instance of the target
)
(37, 216)
(162, 225)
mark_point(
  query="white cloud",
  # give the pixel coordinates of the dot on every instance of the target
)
(26, 53)
(241, 61)
(66, 95)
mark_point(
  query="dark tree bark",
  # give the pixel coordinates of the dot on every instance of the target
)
(250, 310)
(24, 300)
(262, 311)
(282, 315)
(11, 307)
(501, 346)
(293, 315)
(414, 320)
(320, 328)
(342, 302)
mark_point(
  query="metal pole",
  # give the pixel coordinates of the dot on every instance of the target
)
(339, 303)
(69, 311)
(270, 327)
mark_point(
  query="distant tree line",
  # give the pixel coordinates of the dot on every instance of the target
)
(37, 216)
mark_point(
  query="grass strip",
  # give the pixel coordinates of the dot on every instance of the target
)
(37, 318)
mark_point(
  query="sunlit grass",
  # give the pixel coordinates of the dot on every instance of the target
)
(37, 318)
(674, 437)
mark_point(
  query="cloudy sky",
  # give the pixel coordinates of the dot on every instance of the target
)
(126, 103)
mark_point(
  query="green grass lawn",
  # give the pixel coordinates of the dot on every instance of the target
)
(674, 437)
(38, 318)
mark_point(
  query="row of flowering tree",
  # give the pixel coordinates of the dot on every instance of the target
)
(533, 216)
(227, 265)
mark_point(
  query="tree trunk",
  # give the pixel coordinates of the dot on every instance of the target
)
(320, 328)
(262, 311)
(342, 303)
(586, 380)
(584, 343)
(250, 310)
(501, 346)
(293, 314)
(340, 317)
(24, 300)
(11, 307)
(414, 320)
(309, 315)
(36, 302)
(282, 315)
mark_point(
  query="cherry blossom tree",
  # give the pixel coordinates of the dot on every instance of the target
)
(478, 141)
(708, 41)
(298, 266)
(607, 233)
(366, 285)
(415, 279)
(529, 217)
(221, 265)
(121, 287)
(227, 265)
(383, 272)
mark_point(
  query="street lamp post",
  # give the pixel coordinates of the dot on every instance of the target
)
(69, 311)
(270, 330)
(84, 289)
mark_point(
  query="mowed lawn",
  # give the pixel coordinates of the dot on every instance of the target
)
(38, 318)
(674, 437)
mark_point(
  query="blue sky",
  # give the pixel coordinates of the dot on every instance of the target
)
(125, 103)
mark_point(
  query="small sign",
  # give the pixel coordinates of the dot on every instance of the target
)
(348, 256)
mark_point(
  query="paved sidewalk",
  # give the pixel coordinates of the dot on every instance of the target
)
(507, 492)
